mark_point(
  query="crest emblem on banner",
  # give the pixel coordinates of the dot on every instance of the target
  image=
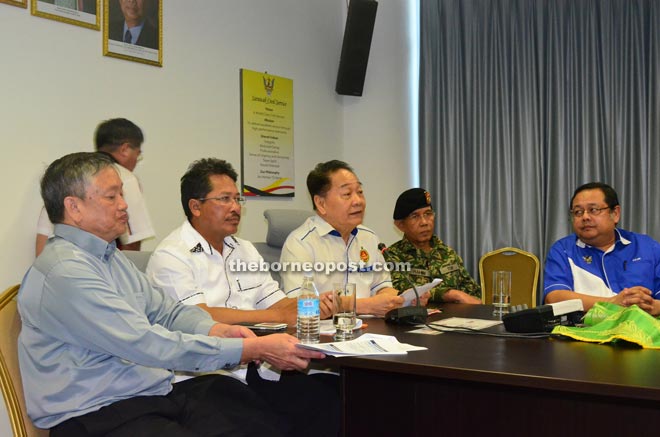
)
(269, 84)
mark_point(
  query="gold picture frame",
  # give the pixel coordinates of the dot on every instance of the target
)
(19, 3)
(85, 13)
(133, 30)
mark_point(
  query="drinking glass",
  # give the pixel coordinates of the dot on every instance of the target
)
(343, 311)
(501, 292)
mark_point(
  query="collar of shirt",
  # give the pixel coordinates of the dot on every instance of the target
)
(135, 31)
(324, 228)
(407, 246)
(618, 238)
(86, 241)
(196, 243)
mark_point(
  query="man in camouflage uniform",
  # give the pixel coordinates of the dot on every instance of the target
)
(428, 256)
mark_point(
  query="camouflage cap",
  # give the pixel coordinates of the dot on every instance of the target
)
(409, 201)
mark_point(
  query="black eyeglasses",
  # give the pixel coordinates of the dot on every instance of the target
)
(225, 200)
(577, 213)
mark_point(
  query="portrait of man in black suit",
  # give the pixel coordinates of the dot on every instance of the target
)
(136, 22)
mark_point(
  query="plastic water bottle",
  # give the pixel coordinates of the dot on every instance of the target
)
(309, 311)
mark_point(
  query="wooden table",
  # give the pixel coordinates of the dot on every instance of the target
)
(479, 385)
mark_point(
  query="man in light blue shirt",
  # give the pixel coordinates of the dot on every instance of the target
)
(98, 344)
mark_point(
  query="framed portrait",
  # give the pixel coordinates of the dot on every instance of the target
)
(83, 13)
(19, 3)
(133, 30)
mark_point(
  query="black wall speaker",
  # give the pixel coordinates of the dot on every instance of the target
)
(355, 49)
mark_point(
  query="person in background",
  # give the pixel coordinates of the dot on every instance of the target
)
(121, 140)
(428, 256)
(600, 262)
(98, 344)
(336, 237)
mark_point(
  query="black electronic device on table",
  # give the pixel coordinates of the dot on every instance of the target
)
(264, 328)
(544, 318)
(410, 315)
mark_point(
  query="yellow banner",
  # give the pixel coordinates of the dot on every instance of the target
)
(266, 135)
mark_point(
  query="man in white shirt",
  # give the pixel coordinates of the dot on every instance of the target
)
(336, 239)
(199, 263)
(202, 263)
(121, 140)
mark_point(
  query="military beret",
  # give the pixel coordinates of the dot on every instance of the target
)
(409, 201)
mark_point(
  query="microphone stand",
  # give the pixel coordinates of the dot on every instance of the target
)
(410, 315)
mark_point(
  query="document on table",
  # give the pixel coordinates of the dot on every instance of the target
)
(366, 344)
(409, 294)
(458, 323)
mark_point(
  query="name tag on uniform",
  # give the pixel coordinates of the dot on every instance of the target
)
(448, 269)
(420, 272)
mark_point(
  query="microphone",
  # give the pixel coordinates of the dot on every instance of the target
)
(411, 315)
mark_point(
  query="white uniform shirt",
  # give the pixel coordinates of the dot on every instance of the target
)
(316, 242)
(139, 222)
(186, 267)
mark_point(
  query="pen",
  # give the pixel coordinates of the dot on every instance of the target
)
(625, 263)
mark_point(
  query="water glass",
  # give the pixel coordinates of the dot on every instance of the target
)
(501, 292)
(343, 311)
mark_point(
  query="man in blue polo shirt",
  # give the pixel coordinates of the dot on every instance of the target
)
(600, 263)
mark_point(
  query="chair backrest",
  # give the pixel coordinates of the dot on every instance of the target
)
(524, 268)
(139, 257)
(280, 224)
(10, 374)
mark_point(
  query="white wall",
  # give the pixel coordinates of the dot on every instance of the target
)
(377, 126)
(55, 86)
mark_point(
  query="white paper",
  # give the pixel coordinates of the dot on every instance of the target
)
(366, 344)
(328, 328)
(425, 331)
(463, 323)
(409, 294)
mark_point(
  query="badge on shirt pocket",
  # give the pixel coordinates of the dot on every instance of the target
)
(448, 269)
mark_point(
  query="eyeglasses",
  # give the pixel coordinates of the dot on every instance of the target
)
(577, 213)
(137, 148)
(225, 200)
(416, 218)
